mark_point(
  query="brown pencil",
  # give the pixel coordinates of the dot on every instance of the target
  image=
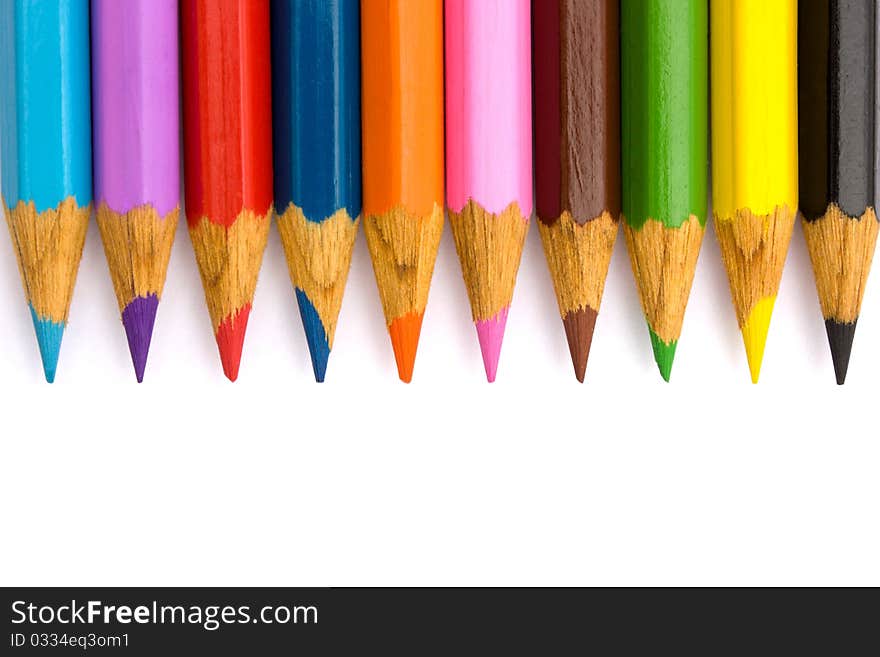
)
(577, 155)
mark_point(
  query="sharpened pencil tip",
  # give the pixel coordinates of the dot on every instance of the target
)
(49, 335)
(491, 334)
(316, 336)
(319, 366)
(754, 333)
(664, 354)
(579, 325)
(840, 340)
(230, 341)
(138, 319)
(405, 331)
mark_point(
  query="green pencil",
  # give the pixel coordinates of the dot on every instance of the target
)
(665, 104)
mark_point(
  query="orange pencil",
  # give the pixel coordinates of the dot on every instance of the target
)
(402, 110)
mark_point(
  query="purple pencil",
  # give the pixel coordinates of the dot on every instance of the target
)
(136, 154)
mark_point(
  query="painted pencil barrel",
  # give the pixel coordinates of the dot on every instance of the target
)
(577, 155)
(45, 137)
(664, 75)
(489, 154)
(402, 61)
(317, 150)
(135, 92)
(136, 154)
(227, 156)
(754, 154)
(836, 128)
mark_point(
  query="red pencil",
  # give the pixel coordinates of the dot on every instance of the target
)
(227, 156)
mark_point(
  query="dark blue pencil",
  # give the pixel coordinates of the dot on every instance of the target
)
(317, 133)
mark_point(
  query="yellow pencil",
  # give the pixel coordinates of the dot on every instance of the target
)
(754, 154)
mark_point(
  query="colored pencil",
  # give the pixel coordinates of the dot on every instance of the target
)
(317, 147)
(665, 108)
(577, 155)
(836, 114)
(402, 45)
(136, 154)
(45, 139)
(754, 154)
(227, 157)
(489, 154)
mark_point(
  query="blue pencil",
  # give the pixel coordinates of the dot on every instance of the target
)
(45, 143)
(316, 120)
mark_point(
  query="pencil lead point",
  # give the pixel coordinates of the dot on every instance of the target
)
(404, 332)
(138, 319)
(491, 334)
(230, 340)
(840, 340)
(49, 335)
(579, 325)
(316, 337)
(664, 354)
(754, 333)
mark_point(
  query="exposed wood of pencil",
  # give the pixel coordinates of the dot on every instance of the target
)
(48, 247)
(138, 246)
(404, 247)
(318, 259)
(841, 249)
(489, 247)
(578, 256)
(229, 262)
(753, 248)
(664, 261)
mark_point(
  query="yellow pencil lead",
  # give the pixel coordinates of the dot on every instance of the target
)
(754, 333)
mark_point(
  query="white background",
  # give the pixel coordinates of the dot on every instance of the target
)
(188, 479)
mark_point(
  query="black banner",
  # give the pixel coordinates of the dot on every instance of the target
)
(287, 621)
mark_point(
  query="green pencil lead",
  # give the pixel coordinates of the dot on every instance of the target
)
(664, 354)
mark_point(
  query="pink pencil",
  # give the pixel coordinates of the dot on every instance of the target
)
(489, 154)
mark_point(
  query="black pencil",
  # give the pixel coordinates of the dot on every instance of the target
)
(836, 119)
